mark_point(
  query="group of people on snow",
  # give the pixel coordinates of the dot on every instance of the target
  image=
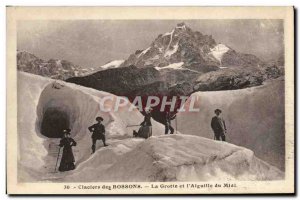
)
(98, 133)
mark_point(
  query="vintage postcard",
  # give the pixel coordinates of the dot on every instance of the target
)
(150, 100)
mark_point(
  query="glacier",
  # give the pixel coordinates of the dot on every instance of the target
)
(254, 117)
(177, 157)
(80, 104)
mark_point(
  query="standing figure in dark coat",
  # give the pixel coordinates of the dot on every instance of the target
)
(98, 130)
(67, 160)
(146, 124)
(168, 123)
(218, 125)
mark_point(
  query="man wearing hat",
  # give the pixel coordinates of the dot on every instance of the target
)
(67, 159)
(98, 130)
(218, 125)
(146, 125)
(168, 119)
(147, 117)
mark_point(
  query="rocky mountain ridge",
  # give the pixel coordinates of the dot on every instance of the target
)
(56, 68)
(53, 68)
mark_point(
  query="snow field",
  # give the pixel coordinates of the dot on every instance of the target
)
(175, 158)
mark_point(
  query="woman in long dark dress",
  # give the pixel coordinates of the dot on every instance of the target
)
(67, 160)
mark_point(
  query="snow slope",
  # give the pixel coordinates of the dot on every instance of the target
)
(112, 64)
(109, 65)
(144, 52)
(175, 158)
(254, 119)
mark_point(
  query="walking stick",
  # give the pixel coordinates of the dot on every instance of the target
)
(132, 125)
(150, 131)
(57, 159)
(176, 124)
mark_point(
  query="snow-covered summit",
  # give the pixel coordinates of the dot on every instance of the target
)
(198, 51)
(178, 27)
(181, 26)
(181, 44)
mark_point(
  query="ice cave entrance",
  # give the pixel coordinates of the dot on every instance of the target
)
(54, 122)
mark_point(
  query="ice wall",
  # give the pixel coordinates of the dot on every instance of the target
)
(36, 95)
(254, 119)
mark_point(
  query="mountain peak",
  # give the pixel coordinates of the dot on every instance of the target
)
(197, 52)
(181, 26)
(181, 44)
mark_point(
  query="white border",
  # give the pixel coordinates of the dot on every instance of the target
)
(91, 3)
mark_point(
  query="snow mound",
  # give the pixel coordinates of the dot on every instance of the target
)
(218, 51)
(78, 107)
(176, 158)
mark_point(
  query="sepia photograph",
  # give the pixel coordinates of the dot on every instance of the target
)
(141, 104)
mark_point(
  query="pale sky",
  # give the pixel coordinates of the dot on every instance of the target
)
(92, 43)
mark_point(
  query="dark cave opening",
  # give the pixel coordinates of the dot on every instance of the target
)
(54, 122)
